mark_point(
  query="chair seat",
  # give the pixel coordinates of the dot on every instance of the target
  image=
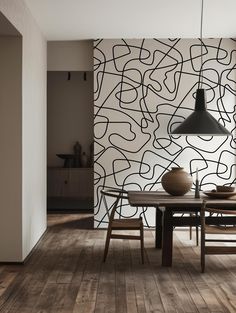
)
(127, 223)
(229, 230)
(220, 250)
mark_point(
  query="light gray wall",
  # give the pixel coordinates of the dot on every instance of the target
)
(70, 55)
(32, 209)
(70, 113)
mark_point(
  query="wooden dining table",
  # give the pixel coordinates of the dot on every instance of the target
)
(167, 206)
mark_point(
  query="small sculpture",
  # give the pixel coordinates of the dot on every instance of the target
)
(77, 148)
(84, 160)
(77, 154)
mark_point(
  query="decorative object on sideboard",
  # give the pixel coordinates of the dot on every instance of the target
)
(68, 160)
(77, 154)
(84, 160)
(72, 160)
(78, 159)
(177, 182)
(201, 122)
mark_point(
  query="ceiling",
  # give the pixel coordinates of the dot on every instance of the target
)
(91, 19)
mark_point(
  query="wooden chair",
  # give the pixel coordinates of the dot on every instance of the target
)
(215, 230)
(117, 196)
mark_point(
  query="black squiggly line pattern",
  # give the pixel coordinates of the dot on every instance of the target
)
(142, 90)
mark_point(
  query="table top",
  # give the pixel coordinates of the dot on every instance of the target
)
(161, 198)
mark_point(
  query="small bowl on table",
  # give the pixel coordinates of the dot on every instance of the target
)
(225, 188)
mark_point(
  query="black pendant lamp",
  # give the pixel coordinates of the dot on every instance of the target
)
(201, 122)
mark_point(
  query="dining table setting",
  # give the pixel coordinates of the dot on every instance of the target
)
(177, 205)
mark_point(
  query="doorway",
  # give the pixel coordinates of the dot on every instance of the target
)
(70, 141)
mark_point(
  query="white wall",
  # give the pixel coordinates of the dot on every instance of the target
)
(70, 55)
(33, 167)
(70, 113)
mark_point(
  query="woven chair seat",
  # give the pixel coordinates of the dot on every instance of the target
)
(127, 223)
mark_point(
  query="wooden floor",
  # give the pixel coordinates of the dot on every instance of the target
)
(65, 274)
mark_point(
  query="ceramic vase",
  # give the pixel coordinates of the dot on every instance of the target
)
(177, 182)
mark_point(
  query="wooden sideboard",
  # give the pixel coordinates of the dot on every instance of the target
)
(70, 182)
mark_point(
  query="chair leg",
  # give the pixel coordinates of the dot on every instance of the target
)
(197, 232)
(142, 244)
(197, 236)
(107, 243)
(202, 250)
(190, 229)
(203, 262)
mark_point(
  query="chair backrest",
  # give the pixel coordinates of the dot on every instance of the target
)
(206, 207)
(118, 195)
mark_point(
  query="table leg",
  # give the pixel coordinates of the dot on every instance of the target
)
(158, 228)
(167, 244)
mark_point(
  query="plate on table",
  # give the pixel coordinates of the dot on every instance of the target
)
(219, 195)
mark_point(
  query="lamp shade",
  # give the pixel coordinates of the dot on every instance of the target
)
(201, 122)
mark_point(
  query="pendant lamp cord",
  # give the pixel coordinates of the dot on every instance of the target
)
(200, 74)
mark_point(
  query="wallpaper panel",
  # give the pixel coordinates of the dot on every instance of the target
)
(142, 90)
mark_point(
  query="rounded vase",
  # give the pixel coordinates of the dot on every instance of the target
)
(177, 182)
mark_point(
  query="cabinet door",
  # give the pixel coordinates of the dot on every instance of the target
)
(81, 183)
(70, 182)
(57, 182)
